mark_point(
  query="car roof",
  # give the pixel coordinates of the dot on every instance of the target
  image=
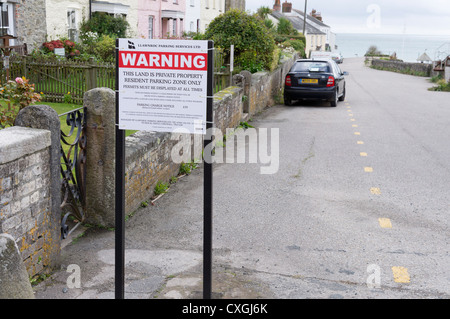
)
(314, 60)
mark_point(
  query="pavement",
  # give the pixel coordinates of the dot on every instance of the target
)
(153, 269)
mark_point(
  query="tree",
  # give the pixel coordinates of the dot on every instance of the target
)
(285, 27)
(262, 12)
(253, 44)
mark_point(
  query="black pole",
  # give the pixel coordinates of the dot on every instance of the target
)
(208, 182)
(120, 196)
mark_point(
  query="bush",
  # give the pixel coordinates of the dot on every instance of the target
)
(105, 24)
(70, 48)
(104, 49)
(247, 33)
(19, 94)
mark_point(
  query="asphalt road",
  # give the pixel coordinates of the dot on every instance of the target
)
(358, 208)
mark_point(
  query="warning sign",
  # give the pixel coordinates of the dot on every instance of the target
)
(162, 85)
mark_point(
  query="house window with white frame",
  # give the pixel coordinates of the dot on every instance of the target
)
(174, 29)
(151, 20)
(7, 19)
(72, 25)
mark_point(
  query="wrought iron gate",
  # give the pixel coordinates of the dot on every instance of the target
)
(73, 170)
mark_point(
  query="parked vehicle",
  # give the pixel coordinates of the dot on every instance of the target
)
(321, 55)
(337, 57)
(315, 79)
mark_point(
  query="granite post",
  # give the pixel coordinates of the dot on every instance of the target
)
(100, 156)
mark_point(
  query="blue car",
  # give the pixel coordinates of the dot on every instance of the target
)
(315, 79)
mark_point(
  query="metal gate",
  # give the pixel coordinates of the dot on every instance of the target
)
(73, 170)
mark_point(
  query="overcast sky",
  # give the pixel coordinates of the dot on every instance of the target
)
(430, 17)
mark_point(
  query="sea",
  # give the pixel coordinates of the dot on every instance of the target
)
(407, 47)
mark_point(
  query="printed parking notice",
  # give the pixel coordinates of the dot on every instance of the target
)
(162, 85)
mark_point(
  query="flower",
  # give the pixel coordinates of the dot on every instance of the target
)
(19, 80)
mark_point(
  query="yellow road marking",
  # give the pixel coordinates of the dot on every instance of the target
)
(375, 191)
(385, 222)
(350, 115)
(355, 125)
(353, 120)
(360, 142)
(357, 133)
(401, 274)
(363, 154)
(368, 169)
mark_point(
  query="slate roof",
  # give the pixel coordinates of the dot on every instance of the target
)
(297, 23)
(311, 18)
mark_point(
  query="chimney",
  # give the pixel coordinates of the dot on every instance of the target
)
(316, 15)
(277, 6)
(287, 7)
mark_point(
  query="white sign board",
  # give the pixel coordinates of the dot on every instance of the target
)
(162, 85)
(321, 55)
(60, 51)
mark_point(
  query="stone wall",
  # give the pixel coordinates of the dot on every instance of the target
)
(148, 161)
(25, 194)
(266, 86)
(31, 23)
(421, 69)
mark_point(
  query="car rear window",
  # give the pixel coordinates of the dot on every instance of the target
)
(311, 67)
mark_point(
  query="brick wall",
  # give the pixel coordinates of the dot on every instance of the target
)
(25, 200)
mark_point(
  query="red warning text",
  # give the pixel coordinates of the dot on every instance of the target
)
(163, 60)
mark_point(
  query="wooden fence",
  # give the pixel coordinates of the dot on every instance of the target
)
(66, 81)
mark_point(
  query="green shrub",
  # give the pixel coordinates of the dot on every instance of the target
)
(105, 24)
(105, 48)
(247, 33)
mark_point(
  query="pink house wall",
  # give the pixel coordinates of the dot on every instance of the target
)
(157, 9)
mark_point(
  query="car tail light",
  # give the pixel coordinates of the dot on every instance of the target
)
(330, 81)
(288, 81)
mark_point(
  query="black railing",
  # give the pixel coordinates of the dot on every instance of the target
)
(73, 170)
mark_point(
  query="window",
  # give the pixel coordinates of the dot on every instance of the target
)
(71, 18)
(72, 25)
(150, 27)
(7, 19)
(191, 28)
(174, 30)
(311, 67)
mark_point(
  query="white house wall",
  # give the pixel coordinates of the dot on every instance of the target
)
(192, 15)
(209, 9)
(56, 11)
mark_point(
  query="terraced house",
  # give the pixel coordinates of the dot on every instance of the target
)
(152, 19)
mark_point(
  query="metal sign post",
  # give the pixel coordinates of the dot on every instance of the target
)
(163, 85)
(208, 183)
(120, 197)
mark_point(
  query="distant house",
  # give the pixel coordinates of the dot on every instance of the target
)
(158, 19)
(316, 40)
(315, 19)
(25, 21)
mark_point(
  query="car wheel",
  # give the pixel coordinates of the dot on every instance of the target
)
(342, 98)
(287, 101)
(334, 102)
